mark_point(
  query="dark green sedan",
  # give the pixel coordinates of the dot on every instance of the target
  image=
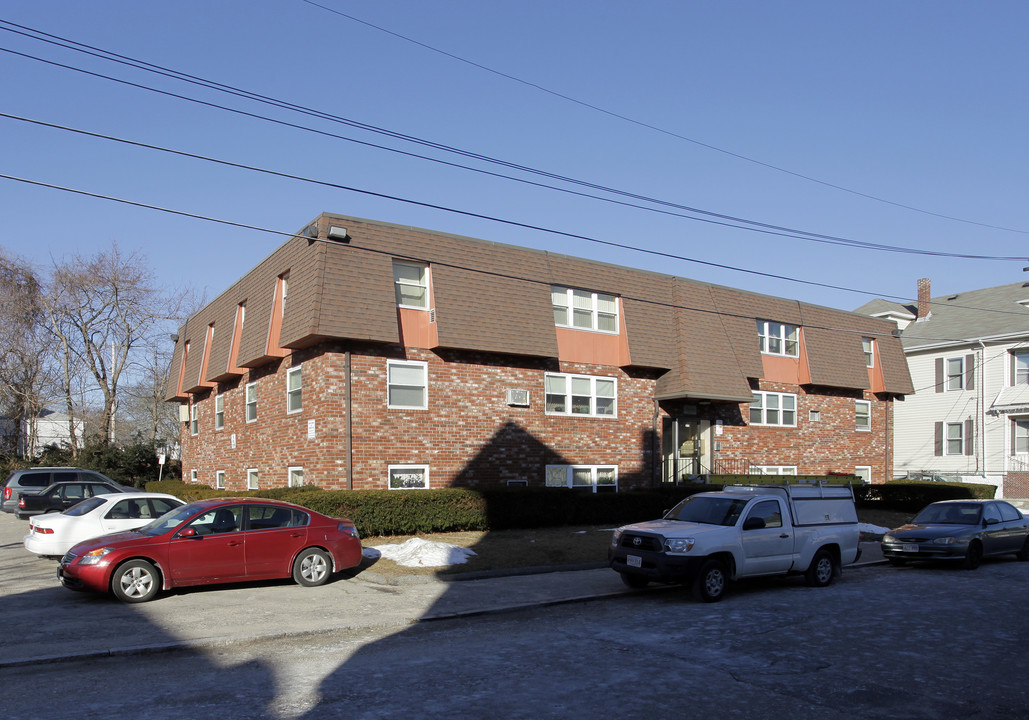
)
(960, 530)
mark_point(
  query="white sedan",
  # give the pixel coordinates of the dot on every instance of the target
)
(54, 534)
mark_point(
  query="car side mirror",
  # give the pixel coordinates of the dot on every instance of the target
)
(190, 533)
(753, 523)
(992, 521)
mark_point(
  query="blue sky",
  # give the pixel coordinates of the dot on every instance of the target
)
(757, 110)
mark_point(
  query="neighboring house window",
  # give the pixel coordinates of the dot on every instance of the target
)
(955, 439)
(407, 384)
(408, 477)
(411, 282)
(595, 478)
(253, 482)
(219, 412)
(864, 472)
(284, 280)
(294, 383)
(868, 347)
(251, 391)
(778, 338)
(219, 479)
(584, 310)
(773, 469)
(580, 395)
(863, 414)
(1020, 369)
(193, 475)
(295, 477)
(1021, 437)
(955, 373)
(770, 408)
(194, 423)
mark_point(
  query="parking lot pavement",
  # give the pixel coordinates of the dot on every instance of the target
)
(43, 622)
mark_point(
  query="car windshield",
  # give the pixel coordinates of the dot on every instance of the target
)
(949, 514)
(85, 506)
(169, 521)
(708, 510)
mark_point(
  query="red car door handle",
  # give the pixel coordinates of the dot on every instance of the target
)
(234, 543)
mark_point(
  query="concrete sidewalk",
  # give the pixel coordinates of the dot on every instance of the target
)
(43, 622)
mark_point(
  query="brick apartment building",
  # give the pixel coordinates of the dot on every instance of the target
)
(366, 355)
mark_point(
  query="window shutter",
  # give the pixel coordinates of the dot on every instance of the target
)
(969, 440)
(969, 372)
(939, 375)
(938, 444)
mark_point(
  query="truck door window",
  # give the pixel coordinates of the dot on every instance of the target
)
(767, 510)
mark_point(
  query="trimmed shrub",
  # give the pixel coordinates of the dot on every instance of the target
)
(912, 496)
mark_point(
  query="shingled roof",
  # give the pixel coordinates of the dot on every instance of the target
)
(496, 298)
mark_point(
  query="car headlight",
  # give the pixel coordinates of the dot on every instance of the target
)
(679, 545)
(615, 537)
(887, 538)
(944, 540)
(94, 556)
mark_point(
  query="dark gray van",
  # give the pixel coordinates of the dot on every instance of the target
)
(34, 480)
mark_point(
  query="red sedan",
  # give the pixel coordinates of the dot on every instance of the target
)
(214, 541)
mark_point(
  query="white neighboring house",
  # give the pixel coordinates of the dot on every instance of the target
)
(968, 354)
(51, 428)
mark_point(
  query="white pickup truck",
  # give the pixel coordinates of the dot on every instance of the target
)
(742, 531)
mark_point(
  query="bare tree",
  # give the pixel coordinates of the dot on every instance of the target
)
(107, 314)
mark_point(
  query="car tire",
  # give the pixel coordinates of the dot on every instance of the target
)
(711, 582)
(312, 568)
(634, 581)
(973, 556)
(821, 571)
(1023, 554)
(135, 581)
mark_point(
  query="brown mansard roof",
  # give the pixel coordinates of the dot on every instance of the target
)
(496, 298)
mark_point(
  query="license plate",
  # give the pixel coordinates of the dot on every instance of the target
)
(909, 548)
(634, 561)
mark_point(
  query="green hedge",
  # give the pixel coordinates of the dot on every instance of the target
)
(912, 496)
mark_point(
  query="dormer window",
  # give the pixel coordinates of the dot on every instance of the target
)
(584, 310)
(778, 338)
(868, 348)
(411, 281)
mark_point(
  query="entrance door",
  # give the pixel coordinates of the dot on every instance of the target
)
(685, 448)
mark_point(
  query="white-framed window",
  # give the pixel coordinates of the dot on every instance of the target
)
(954, 440)
(1020, 368)
(294, 477)
(868, 348)
(587, 395)
(584, 310)
(294, 390)
(284, 280)
(251, 401)
(595, 478)
(954, 369)
(219, 479)
(193, 475)
(772, 408)
(863, 415)
(1020, 439)
(219, 412)
(407, 384)
(411, 282)
(778, 338)
(773, 469)
(253, 481)
(408, 477)
(864, 472)
(194, 419)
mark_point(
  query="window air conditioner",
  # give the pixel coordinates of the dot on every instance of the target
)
(518, 397)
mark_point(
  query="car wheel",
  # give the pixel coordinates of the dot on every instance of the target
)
(312, 568)
(135, 581)
(820, 572)
(711, 582)
(973, 556)
(1023, 554)
(634, 581)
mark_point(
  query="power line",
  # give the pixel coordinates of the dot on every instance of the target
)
(661, 130)
(710, 217)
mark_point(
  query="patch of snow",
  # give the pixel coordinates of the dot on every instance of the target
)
(872, 529)
(420, 553)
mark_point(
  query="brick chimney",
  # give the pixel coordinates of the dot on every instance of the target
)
(924, 305)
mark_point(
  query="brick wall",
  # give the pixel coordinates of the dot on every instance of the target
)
(470, 436)
(1016, 485)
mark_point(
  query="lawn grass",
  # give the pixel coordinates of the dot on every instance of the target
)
(540, 547)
